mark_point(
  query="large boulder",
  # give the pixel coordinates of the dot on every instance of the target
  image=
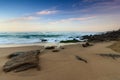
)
(22, 61)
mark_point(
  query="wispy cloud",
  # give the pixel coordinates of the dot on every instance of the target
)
(33, 16)
(46, 12)
(21, 19)
(100, 7)
(73, 19)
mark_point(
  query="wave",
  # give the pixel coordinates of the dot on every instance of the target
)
(35, 37)
(30, 36)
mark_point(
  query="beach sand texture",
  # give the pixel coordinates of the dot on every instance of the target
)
(63, 65)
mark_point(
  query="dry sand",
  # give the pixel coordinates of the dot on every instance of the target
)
(64, 66)
(115, 46)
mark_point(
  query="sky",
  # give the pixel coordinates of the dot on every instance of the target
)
(59, 15)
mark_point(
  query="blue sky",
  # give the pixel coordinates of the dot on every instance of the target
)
(59, 15)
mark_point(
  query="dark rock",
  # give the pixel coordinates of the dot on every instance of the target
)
(24, 67)
(62, 47)
(113, 56)
(15, 54)
(24, 61)
(70, 41)
(70, 37)
(55, 50)
(81, 59)
(86, 44)
(108, 36)
(77, 37)
(50, 47)
(19, 53)
(43, 40)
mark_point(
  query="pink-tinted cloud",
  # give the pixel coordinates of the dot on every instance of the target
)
(73, 19)
(33, 16)
(104, 7)
(26, 18)
(46, 12)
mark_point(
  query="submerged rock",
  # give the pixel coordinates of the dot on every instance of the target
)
(22, 61)
(70, 41)
(43, 40)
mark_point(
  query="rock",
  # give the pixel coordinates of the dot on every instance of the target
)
(19, 53)
(81, 59)
(24, 67)
(86, 44)
(50, 47)
(83, 45)
(43, 40)
(113, 56)
(56, 50)
(107, 36)
(70, 41)
(15, 54)
(22, 61)
(62, 47)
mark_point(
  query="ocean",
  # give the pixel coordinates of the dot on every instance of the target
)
(38, 37)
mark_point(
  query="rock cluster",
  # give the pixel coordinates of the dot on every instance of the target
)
(108, 36)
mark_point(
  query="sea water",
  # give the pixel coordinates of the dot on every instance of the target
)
(37, 37)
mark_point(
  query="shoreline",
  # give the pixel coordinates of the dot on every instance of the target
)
(38, 44)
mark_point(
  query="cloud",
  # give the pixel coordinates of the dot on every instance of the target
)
(46, 12)
(98, 0)
(107, 3)
(100, 7)
(33, 16)
(21, 19)
(73, 19)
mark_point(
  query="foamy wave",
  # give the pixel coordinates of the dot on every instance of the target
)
(37, 37)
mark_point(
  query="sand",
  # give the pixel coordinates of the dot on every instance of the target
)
(115, 46)
(64, 66)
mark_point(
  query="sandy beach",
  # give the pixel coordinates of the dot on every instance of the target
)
(63, 65)
(60, 40)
